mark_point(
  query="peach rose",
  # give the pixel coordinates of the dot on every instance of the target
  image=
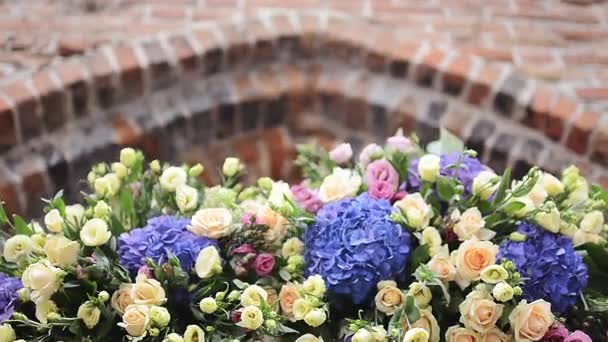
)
(459, 334)
(441, 264)
(273, 297)
(288, 295)
(471, 258)
(428, 322)
(148, 292)
(213, 223)
(136, 320)
(389, 298)
(479, 311)
(530, 321)
(277, 224)
(471, 224)
(121, 298)
(495, 335)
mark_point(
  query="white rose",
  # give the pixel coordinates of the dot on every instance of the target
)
(254, 295)
(213, 223)
(428, 167)
(208, 305)
(422, 294)
(315, 317)
(341, 154)
(74, 213)
(251, 318)
(231, 166)
(277, 195)
(95, 233)
(292, 246)
(136, 320)
(43, 309)
(17, 247)
(503, 292)
(186, 197)
(194, 333)
(551, 221)
(416, 211)
(61, 251)
(471, 224)
(108, 185)
(309, 338)
(43, 279)
(416, 335)
(341, 183)
(593, 222)
(120, 170)
(431, 238)
(173, 177)
(551, 184)
(362, 335)
(208, 263)
(484, 184)
(54, 221)
(581, 237)
(314, 285)
(89, 314)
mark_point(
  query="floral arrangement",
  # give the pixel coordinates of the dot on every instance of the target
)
(398, 244)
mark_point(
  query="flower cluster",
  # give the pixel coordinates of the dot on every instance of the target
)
(553, 271)
(162, 236)
(354, 244)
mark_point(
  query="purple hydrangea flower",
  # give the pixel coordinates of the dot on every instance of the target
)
(469, 169)
(163, 234)
(552, 269)
(354, 244)
(8, 295)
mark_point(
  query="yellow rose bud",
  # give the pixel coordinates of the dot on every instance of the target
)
(17, 247)
(155, 166)
(186, 198)
(54, 221)
(503, 292)
(128, 156)
(89, 314)
(293, 246)
(194, 333)
(254, 295)
(551, 184)
(421, 293)
(231, 167)
(120, 170)
(103, 296)
(159, 316)
(95, 233)
(102, 210)
(7, 334)
(301, 307)
(428, 167)
(251, 318)
(314, 285)
(173, 177)
(208, 305)
(593, 222)
(196, 170)
(108, 185)
(494, 274)
(315, 317)
(208, 263)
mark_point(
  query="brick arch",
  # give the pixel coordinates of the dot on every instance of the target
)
(256, 86)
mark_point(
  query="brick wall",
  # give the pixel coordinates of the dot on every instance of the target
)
(203, 80)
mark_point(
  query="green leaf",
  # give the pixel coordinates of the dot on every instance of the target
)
(447, 143)
(420, 256)
(514, 207)
(445, 188)
(3, 217)
(240, 284)
(284, 275)
(501, 192)
(126, 202)
(21, 228)
(411, 310)
(598, 254)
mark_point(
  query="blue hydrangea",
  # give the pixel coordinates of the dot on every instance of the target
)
(469, 169)
(8, 295)
(161, 235)
(553, 271)
(354, 244)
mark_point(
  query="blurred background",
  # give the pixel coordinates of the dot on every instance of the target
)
(522, 81)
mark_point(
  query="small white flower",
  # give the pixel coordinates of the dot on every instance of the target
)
(551, 184)
(416, 335)
(340, 184)
(186, 198)
(593, 222)
(231, 167)
(428, 167)
(503, 292)
(551, 220)
(17, 247)
(280, 190)
(483, 184)
(173, 177)
(95, 233)
(208, 263)
(74, 213)
(128, 156)
(54, 221)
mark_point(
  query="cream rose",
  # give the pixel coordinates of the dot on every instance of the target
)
(213, 223)
(280, 190)
(314, 285)
(551, 220)
(530, 321)
(484, 184)
(121, 298)
(43, 279)
(7, 333)
(308, 338)
(551, 184)
(95, 233)
(254, 295)
(277, 224)
(43, 309)
(422, 294)
(441, 264)
(89, 314)
(479, 311)
(288, 295)
(61, 251)
(194, 333)
(186, 198)
(459, 334)
(471, 258)
(593, 222)
(341, 183)
(54, 221)
(471, 224)
(17, 247)
(495, 335)
(293, 246)
(416, 211)
(430, 237)
(251, 318)
(147, 292)
(581, 237)
(208, 263)
(74, 213)
(428, 322)
(136, 320)
(428, 167)
(389, 298)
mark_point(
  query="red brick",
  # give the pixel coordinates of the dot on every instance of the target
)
(9, 194)
(558, 116)
(184, 52)
(428, 67)
(457, 74)
(206, 38)
(131, 71)
(539, 108)
(75, 45)
(52, 100)
(276, 144)
(26, 106)
(126, 132)
(173, 13)
(599, 146)
(581, 130)
(282, 25)
(100, 68)
(8, 130)
(502, 55)
(593, 94)
(482, 85)
(71, 72)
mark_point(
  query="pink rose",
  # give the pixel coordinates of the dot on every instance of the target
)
(341, 154)
(145, 270)
(400, 143)
(557, 333)
(263, 264)
(578, 336)
(382, 170)
(306, 198)
(244, 249)
(381, 190)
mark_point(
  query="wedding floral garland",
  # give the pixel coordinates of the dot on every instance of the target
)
(401, 244)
